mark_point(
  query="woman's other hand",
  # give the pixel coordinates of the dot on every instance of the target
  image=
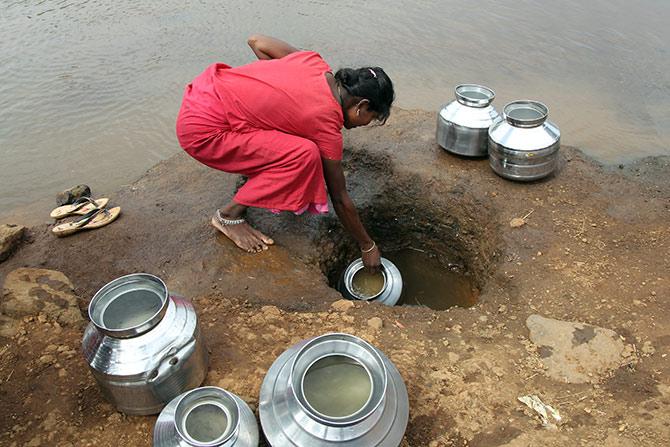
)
(372, 259)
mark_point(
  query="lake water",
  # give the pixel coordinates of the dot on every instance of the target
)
(89, 89)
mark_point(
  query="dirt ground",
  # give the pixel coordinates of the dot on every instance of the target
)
(595, 249)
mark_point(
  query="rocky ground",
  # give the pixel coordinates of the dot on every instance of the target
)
(572, 308)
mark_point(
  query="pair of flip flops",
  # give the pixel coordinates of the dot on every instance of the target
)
(94, 214)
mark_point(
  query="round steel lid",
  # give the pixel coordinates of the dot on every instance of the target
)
(474, 95)
(525, 113)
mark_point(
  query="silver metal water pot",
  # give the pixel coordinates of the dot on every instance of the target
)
(524, 146)
(463, 124)
(143, 346)
(206, 417)
(388, 295)
(333, 390)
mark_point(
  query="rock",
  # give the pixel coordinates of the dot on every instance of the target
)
(517, 222)
(72, 194)
(47, 294)
(9, 327)
(10, 238)
(648, 348)
(375, 323)
(342, 305)
(575, 352)
(47, 359)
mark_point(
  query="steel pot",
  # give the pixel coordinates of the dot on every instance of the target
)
(463, 124)
(524, 146)
(390, 292)
(206, 417)
(143, 346)
(369, 408)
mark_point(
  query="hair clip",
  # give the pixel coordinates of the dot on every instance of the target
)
(374, 75)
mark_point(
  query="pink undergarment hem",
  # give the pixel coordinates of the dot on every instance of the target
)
(312, 208)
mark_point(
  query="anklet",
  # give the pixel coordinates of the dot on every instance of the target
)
(228, 222)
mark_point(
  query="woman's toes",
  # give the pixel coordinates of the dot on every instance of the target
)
(262, 237)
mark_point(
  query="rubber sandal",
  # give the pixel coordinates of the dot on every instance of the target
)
(81, 207)
(94, 219)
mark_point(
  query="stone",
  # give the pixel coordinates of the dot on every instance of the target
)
(47, 294)
(648, 348)
(10, 238)
(342, 305)
(375, 323)
(72, 194)
(575, 352)
(9, 327)
(47, 359)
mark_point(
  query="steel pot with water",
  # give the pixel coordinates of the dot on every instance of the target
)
(333, 390)
(384, 287)
(206, 417)
(524, 146)
(463, 124)
(143, 346)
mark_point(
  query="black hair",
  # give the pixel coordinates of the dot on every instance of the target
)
(370, 83)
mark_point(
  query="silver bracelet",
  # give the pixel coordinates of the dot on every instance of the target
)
(374, 244)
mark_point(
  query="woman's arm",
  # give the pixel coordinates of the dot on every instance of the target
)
(266, 47)
(346, 211)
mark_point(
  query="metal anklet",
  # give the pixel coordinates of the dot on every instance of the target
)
(228, 222)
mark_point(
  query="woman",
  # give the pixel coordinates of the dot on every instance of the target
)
(278, 122)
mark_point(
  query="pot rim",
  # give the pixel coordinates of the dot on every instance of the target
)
(536, 106)
(471, 102)
(207, 395)
(104, 297)
(379, 389)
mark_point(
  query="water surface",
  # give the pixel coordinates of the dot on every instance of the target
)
(89, 89)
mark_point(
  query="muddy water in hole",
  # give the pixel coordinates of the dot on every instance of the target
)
(337, 386)
(427, 283)
(89, 90)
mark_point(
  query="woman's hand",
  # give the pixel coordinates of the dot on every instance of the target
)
(372, 259)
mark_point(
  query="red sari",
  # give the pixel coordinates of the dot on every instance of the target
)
(272, 121)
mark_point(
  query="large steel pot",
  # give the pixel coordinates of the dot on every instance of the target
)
(143, 345)
(524, 146)
(463, 124)
(206, 417)
(388, 295)
(299, 408)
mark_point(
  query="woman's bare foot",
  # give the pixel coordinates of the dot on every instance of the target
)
(244, 236)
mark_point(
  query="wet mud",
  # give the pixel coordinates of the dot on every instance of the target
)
(595, 248)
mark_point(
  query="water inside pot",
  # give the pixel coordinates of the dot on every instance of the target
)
(525, 114)
(367, 285)
(131, 309)
(206, 423)
(471, 94)
(337, 386)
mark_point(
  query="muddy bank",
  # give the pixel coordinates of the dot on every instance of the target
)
(595, 249)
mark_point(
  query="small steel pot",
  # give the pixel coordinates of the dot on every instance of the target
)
(388, 295)
(206, 417)
(143, 345)
(463, 124)
(524, 146)
(290, 417)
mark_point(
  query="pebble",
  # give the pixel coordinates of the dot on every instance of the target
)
(342, 305)
(47, 359)
(375, 323)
